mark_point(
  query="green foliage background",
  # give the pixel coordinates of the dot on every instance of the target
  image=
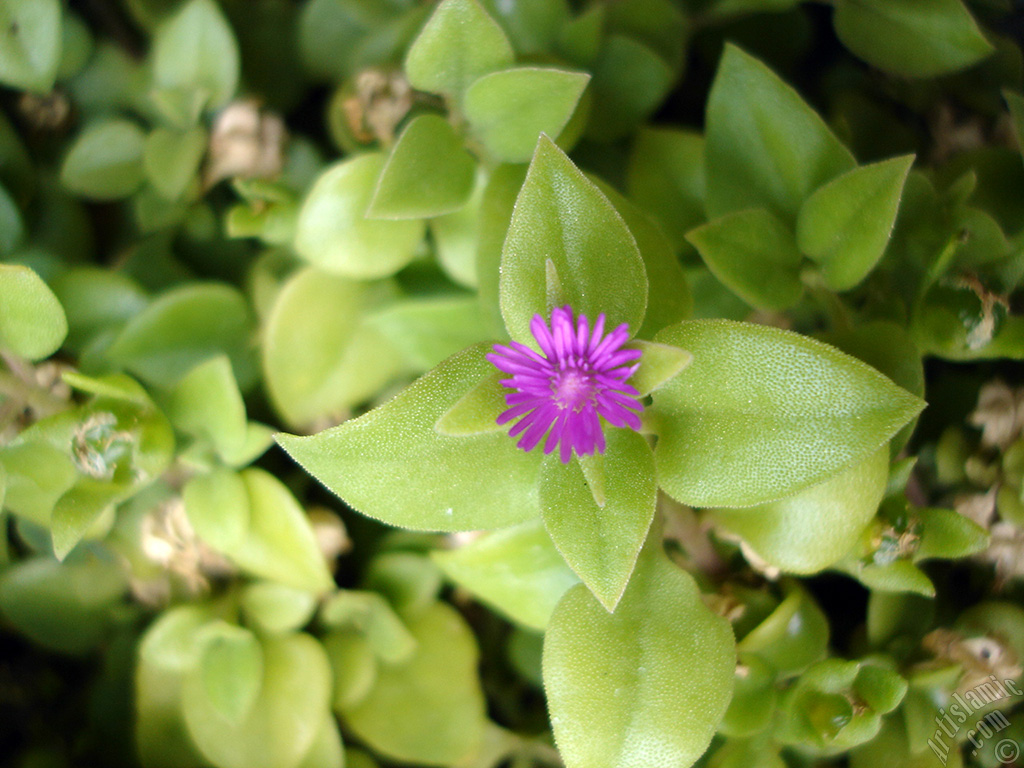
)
(232, 227)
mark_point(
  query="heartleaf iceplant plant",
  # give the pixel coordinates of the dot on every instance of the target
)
(742, 417)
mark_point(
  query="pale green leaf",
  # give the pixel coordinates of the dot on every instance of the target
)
(30, 43)
(561, 219)
(762, 413)
(231, 670)
(334, 234)
(393, 465)
(644, 687)
(207, 402)
(458, 44)
(171, 159)
(105, 161)
(428, 173)
(601, 541)
(32, 321)
(516, 571)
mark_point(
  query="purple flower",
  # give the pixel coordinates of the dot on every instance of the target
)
(579, 379)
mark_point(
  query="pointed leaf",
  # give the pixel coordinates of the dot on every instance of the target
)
(762, 413)
(477, 411)
(334, 234)
(644, 686)
(171, 159)
(755, 255)
(807, 532)
(429, 173)
(207, 402)
(76, 512)
(948, 534)
(601, 543)
(563, 218)
(845, 225)
(458, 44)
(425, 331)
(658, 364)
(32, 321)
(393, 465)
(30, 44)
(217, 506)
(924, 38)
(765, 147)
(508, 110)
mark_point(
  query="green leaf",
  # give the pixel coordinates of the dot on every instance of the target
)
(496, 208)
(105, 161)
(393, 465)
(355, 667)
(897, 576)
(1016, 104)
(409, 581)
(319, 355)
(171, 159)
(765, 147)
(646, 685)
(37, 476)
(630, 81)
(561, 219)
(32, 321)
(78, 510)
(516, 571)
(814, 528)
(277, 608)
(30, 38)
(762, 413)
(508, 110)
(283, 721)
(426, 331)
(601, 541)
(658, 364)
(920, 39)
(666, 178)
(845, 225)
(371, 615)
(334, 234)
(430, 709)
(12, 230)
(477, 411)
(195, 61)
(96, 300)
(217, 506)
(753, 699)
(428, 173)
(184, 327)
(207, 402)
(793, 636)
(231, 670)
(755, 254)
(458, 44)
(949, 535)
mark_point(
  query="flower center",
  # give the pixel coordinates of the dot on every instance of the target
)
(572, 388)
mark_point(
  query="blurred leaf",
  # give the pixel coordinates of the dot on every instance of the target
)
(456, 236)
(409, 581)
(845, 225)
(37, 475)
(354, 665)
(334, 234)
(920, 39)
(105, 161)
(218, 509)
(755, 254)
(814, 528)
(96, 300)
(12, 230)
(30, 44)
(765, 147)
(646, 685)
(439, 490)
(32, 321)
(320, 357)
(762, 413)
(666, 178)
(277, 608)
(948, 534)
(753, 698)
(1016, 104)
(429, 709)
(184, 327)
(206, 402)
(601, 540)
(508, 110)
(428, 173)
(171, 159)
(794, 635)
(515, 570)
(561, 219)
(231, 670)
(282, 723)
(630, 81)
(458, 44)
(372, 616)
(195, 62)
(532, 25)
